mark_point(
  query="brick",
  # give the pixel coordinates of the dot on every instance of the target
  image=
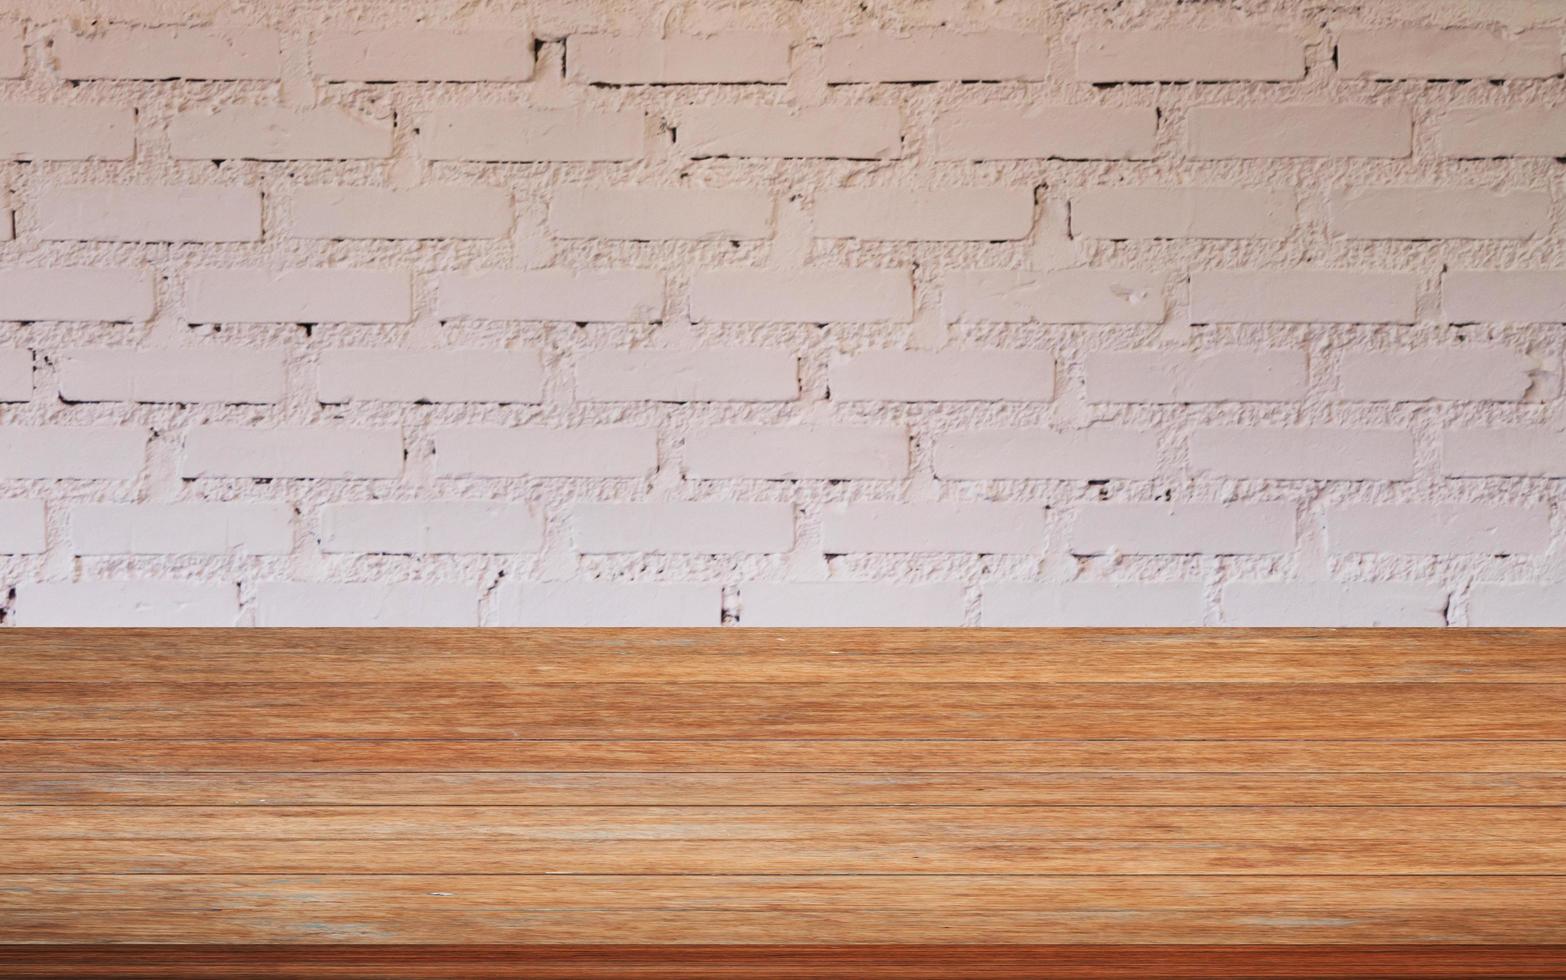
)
(848, 604)
(1058, 132)
(608, 296)
(1334, 604)
(62, 452)
(1240, 132)
(13, 51)
(1042, 454)
(1437, 529)
(935, 55)
(533, 451)
(231, 375)
(965, 214)
(648, 59)
(608, 604)
(871, 132)
(1438, 374)
(1504, 295)
(1119, 213)
(1526, 604)
(144, 603)
(1117, 604)
(16, 375)
(1448, 53)
(431, 527)
(116, 295)
(1303, 453)
(803, 296)
(1184, 529)
(735, 374)
(22, 527)
(182, 529)
(1173, 55)
(1488, 133)
(158, 53)
(298, 296)
(275, 133)
(1420, 213)
(66, 132)
(1174, 377)
(148, 214)
(430, 376)
(323, 604)
(311, 452)
(1504, 452)
(681, 527)
(797, 452)
(1069, 296)
(402, 213)
(650, 214)
(1302, 296)
(933, 528)
(944, 375)
(423, 55)
(502, 134)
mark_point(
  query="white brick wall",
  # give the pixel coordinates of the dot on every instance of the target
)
(1060, 313)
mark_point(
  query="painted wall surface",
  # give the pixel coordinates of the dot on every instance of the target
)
(782, 313)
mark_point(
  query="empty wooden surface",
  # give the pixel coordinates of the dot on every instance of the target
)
(1178, 789)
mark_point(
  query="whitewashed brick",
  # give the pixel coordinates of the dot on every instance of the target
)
(1526, 604)
(1302, 296)
(276, 133)
(1239, 132)
(609, 296)
(120, 604)
(1492, 132)
(1437, 529)
(608, 604)
(797, 452)
(431, 527)
(935, 55)
(1041, 454)
(803, 296)
(1439, 212)
(944, 375)
(507, 134)
(532, 451)
(182, 529)
(1303, 453)
(1504, 452)
(1174, 55)
(311, 452)
(156, 53)
(1173, 377)
(870, 132)
(298, 296)
(1091, 604)
(1058, 132)
(404, 212)
(734, 374)
(423, 54)
(648, 59)
(849, 604)
(661, 213)
(63, 452)
(16, 375)
(75, 294)
(1448, 53)
(323, 604)
(22, 527)
(1504, 295)
(1334, 604)
(1068, 296)
(66, 132)
(930, 528)
(1183, 212)
(148, 214)
(681, 527)
(13, 52)
(430, 376)
(231, 375)
(1184, 529)
(962, 214)
(1438, 374)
